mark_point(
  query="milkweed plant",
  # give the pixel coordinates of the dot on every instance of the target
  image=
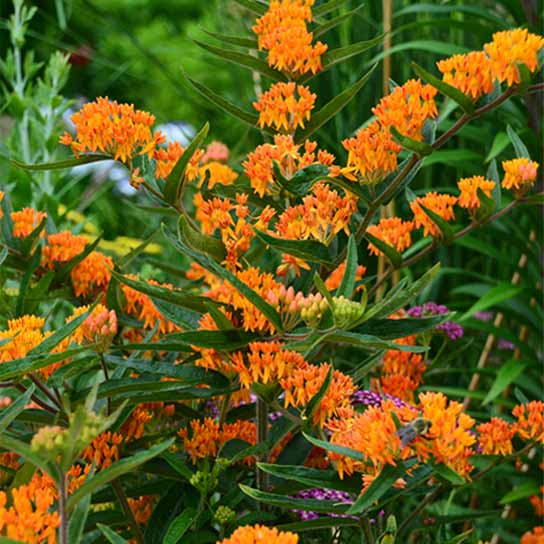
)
(275, 388)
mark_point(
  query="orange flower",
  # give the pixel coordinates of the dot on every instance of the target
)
(285, 105)
(372, 155)
(208, 436)
(335, 278)
(92, 274)
(530, 420)
(469, 191)
(282, 32)
(440, 204)
(394, 232)
(496, 437)
(167, 158)
(61, 248)
(259, 534)
(215, 151)
(303, 383)
(103, 450)
(510, 47)
(217, 172)
(117, 129)
(25, 221)
(470, 73)
(519, 174)
(29, 519)
(259, 164)
(267, 362)
(538, 502)
(536, 536)
(142, 507)
(449, 438)
(407, 108)
(25, 333)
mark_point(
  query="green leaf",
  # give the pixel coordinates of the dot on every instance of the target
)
(6, 540)
(315, 401)
(78, 518)
(390, 329)
(341, 450)
(507, 374)
(389, 251)
(250, 43)
(25, 281)
(21, 448)
(258, 8)
(453, 157)
(323, 522)
(455, 94)
(311, 477)
(7, 415)
(493, 175)
(327, 7)
(201, 242)
(495, 295)
(366, 341)
(111, 535)
(283, 501)
(115, 470)
(381, 485)
(335, 21)
(336, 56)
(68, 163)
(228, 107)
(173, 188)
(500, 142)
(421, 149)
(429, 46)
(303, 180)
(448, 474)
(308, 250)
(445, 228)
(519, 146)
(255, 64)
(266, 309)
(348, 279)
(330, 109)
(177, 463)
(522, 491)
(179, 526)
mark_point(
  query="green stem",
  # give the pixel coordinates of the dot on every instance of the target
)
(121, 497)
(63, 512)
(262, 436)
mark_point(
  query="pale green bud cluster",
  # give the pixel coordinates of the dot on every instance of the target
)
(224, 515)
(346, 311)
(314, 306)
(204, 481)
(50, 442)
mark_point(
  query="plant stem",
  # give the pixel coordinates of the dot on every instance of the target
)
(365, 526)
(121, 497)
(262, 435)
(420, 507)
(63, 513)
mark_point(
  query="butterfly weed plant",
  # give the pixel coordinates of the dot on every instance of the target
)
(273, 389)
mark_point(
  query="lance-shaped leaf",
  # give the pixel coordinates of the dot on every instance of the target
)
(508, 372)
(335, 21)
(445, 228)
(389, 251)
(173, 187)
(228, 107)
(259, 8)
(303, 180)
(446, 473)
(421, 149)
(64, 269)
(111, 536)
(250, 43)
(487, 205)
(381, 485)
(315, 401)
(7, 415)
(308, 250)
(455, 94)
(59, 165)
(180, 526)
(327, 7)
(24, 450)
(350, 271)
(30, 241)
(366, 341)
(519, 146)
(201, 242)
(284, 501)
(330, 109)
(76, 524)
(32, 266)
(117, 469)
(340, 450)
(267, 310)
(255, 64)
(389, 329)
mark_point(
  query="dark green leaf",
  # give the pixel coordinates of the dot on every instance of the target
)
(493, 175)
(68, 163)
(390, 329)
(519, 146)
(341, 54)
(78, 518)
(341, 450)
(448, 474)
(303, 180)
(327, 7)
(522, 491)
(7, 415)
(495, 295)
(335, 21)
(177, 463)
(201, 242)
(389, 251)
(421, 149)
(445, 228)
(179, 526)
(323, 522)
(507, 374)
(348, 279)
(111, 535)
(250, 43)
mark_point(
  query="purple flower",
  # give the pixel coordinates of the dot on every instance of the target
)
(484, 316)
(452, 330)
(322, 494)
(371, 398)
(505, 344)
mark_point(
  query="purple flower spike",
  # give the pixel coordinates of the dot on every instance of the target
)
(452, 330)
(371, 398)
(322, 494)
(506, 345)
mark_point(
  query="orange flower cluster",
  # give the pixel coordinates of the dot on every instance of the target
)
(535, 536)
(402, 371)
(495, 437)
(167, 157)
(142, 508)
(407, 108)
(510, 48)
(216, 172)
(208, 436)
(285, 106)
(470, 73)
(394, 232)
(259, 534)
(140, 306)
(303, 382)
(372, 155)
(62, 247)
(530, 420)
(101, 324)
(28, 518)
(321, 216)
(25, 221)
(519, 174)
(116, 129)
(537, 501)
(283, 33)
(25, 333)
(335, 277)
(440, 204)
(469, 191)
(290, 157)
(103, 450)
(92, 275)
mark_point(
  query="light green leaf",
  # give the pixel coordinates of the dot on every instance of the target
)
(495, 295)
(7, 415)
(111, 535)
(308, 250)
(519, 146)
(68, 163)
(507, 374)
(179, 526)
(348, 279)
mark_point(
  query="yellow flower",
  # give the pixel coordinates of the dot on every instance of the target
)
(469, 191)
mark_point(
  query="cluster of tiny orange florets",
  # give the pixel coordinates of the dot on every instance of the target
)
(394, 232)
(259, 534)
(519, 174)
(469, 187)
(25, 221)
(282, 31)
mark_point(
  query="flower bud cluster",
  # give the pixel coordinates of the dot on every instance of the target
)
(49, 442)
(224, 515)
(312, 308)
(346, 311)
